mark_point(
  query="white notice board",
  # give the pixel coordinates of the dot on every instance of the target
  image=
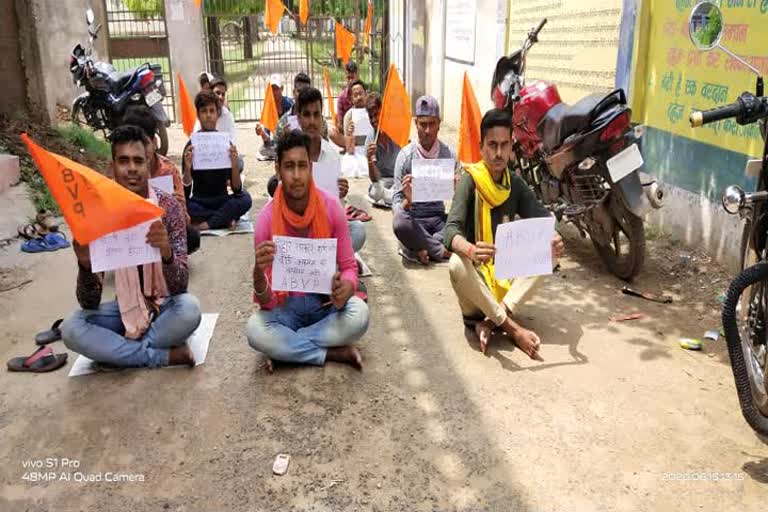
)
(460, 24)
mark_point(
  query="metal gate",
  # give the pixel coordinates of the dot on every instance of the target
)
(137, 34)
(242, 50)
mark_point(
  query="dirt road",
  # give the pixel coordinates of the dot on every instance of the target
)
(617, 417)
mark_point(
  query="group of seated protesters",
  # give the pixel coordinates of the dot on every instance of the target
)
(153, 314)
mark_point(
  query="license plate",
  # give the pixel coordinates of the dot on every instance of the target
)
(153, 97)
(625, 163)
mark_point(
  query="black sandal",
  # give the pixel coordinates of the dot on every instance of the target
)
(51, 335)
(42, 360)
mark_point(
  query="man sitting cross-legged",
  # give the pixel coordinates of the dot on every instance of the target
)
(149, 323)
(304, 328)
(209, 203)
(382, 155)
(486, 196)
(419, 226)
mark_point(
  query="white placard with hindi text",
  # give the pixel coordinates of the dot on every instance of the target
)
(524, 248)
(164, 183)
(124, 248)
(304, 265)
(326, 175)
(293, 123)
(432, 179)
(363, 129)
(211, 150)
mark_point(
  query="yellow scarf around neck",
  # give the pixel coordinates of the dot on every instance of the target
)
(489, 195)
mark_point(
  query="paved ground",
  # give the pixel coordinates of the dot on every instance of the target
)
(617, 417)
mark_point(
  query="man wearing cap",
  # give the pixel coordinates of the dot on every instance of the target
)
(344, 101)
(283, 105)
(419, 226)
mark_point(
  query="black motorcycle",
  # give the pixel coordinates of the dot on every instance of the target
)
(746, 302)
(110, 93)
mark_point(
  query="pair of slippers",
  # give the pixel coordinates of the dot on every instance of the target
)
(43, 235)
(49, 243)
(355, 213)
(43, 359)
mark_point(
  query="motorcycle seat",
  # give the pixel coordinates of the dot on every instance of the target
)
(563, 120)
(120, 80)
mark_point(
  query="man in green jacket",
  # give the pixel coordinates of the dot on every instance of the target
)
(487, 195)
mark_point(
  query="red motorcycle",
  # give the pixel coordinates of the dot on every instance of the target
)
(582, 161)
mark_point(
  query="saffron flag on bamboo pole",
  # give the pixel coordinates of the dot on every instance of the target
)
(188, 113)
(274, 10)
(469, 126)
(368, 25)
(345, 42)
(395, 117)
(304, 11)
(93, 205)
(329, 95)
(269, 111)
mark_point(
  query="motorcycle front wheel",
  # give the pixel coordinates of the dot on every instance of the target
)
(744, 315)
(624, 254)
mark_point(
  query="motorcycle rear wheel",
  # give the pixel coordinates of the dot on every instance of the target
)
(744, 329)
(161, 139)
(625, 254)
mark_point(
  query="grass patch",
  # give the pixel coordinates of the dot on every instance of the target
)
(85, 139)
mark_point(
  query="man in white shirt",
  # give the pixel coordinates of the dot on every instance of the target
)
(226, 122)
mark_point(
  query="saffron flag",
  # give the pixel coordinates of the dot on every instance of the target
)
(304, 11)
(329, 95)
(93, 205)
(274, 10)
(395, 117)
(345, 42)
(469, 126)
(269, 111)
(198, 3)
(368, 24)
(188, 113)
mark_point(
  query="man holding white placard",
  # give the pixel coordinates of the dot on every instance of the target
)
(326, 162)
(161, 169)
(149, 323)
(295, 324)
(419, 225)
(487, 196)
(210, 166)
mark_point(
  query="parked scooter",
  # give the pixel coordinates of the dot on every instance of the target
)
(109, 93)
(582, 161)
(746, 302)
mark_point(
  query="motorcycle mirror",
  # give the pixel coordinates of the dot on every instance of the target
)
(733, 199)
(705, 26)
(89, 16)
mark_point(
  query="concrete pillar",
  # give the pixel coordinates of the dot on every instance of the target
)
(187, 42)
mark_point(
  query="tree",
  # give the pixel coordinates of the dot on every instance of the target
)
(145, 8)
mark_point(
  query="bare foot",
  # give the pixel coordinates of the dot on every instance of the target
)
(268, 365)
(423, 256)
(527, 341)
(484, 330)
(232, 225)
(181, 355)
(203, 226)
(347, 355)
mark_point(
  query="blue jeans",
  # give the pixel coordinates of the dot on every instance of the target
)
(301, 330)
(357, 234)
(99, 334)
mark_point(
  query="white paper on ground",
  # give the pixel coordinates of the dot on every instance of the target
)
(243, 226)
(326, 175)
(124, 248)
(524, 248)
(432, 179)
(211, 150)
(198, 343)
(305, 265)
(164, 183)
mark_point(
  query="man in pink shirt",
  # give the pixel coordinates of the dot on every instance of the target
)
(297, 327)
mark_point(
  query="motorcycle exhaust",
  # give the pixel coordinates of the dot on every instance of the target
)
(655, 195)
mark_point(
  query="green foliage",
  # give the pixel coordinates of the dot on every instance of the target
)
(709, 34)
(86, 139)
(145, 8)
